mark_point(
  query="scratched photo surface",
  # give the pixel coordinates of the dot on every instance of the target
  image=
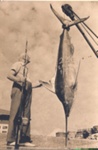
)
(35, 22)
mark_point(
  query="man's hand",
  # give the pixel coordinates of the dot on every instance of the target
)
(22, 79)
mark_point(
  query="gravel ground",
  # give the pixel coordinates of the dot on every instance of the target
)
(52, 143)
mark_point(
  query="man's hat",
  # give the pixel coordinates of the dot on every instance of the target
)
(24, 57)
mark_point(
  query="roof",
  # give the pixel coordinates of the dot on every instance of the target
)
(4, 115)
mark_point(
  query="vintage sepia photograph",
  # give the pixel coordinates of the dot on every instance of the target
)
(48, 75)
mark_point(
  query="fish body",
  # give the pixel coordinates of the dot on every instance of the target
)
(65, 79)
(63, 83)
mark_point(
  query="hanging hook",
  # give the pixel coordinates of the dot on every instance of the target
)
(86, 25)
(67, 9)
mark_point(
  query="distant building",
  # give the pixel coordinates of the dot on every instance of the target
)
(79, 134)
(60, 134)
(71, 134)
(4, 118)
(95, 129)
(83, 133)
(3, 127)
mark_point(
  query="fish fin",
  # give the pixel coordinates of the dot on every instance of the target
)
(60, 18)
(75, 22)
(76, 79)
(67, 23)
(48, 85)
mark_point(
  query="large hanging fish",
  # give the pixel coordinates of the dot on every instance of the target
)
(64, 83)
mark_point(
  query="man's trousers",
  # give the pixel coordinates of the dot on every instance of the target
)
(18, 95)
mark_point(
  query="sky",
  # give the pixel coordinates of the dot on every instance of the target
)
(35, 22)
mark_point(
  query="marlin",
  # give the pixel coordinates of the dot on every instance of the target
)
(64, 82)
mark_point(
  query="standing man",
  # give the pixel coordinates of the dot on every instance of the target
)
(18, 93)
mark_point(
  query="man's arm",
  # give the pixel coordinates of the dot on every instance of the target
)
(11, 76)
